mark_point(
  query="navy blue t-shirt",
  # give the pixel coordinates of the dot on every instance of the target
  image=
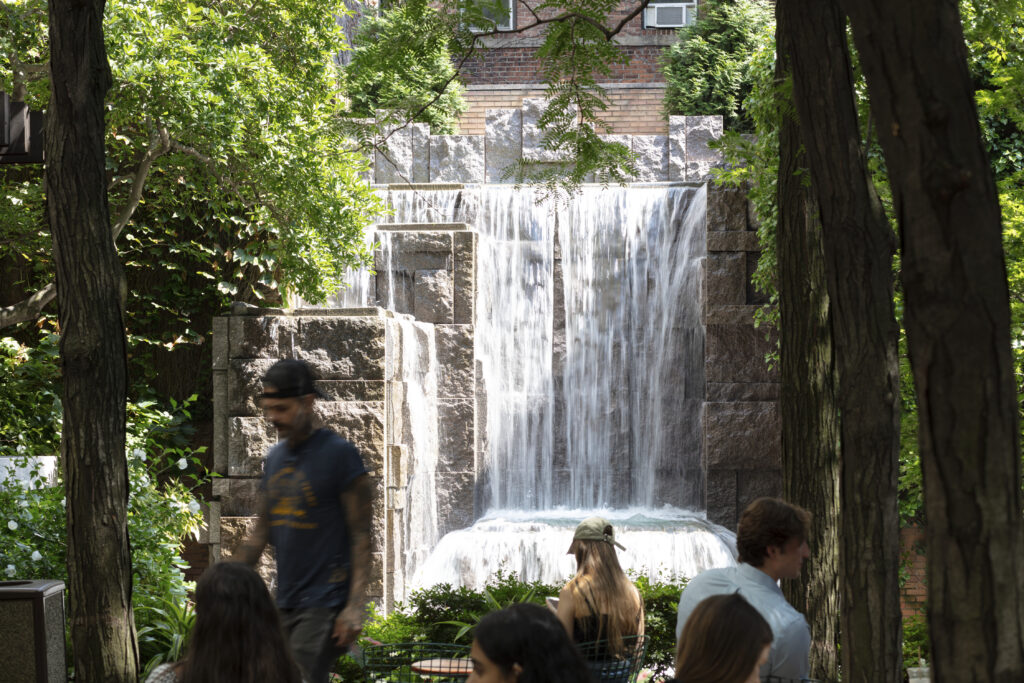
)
(307, 521)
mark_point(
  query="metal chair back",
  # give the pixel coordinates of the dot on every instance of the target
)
(415, 662)
(610, 667)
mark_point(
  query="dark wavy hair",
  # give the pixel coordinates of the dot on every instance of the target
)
(237, 637)
(532, 637)
(722, 641)
(769, 522)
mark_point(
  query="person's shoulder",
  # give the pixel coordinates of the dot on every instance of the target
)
(332, 441)
(713, 577)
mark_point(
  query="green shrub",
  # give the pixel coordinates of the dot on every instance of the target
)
(162, 473)
(916, 645)
(439, 613)
(661, 603)
(707, 70)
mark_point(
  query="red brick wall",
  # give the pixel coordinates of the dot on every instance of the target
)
(520, 65)
(632, 111)
(915, 593)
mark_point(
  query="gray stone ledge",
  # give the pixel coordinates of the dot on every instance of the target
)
(242, 309)
(733, 241)
(419, 227)
(425, 186)
(731, 315)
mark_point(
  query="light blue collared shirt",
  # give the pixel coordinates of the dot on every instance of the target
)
(790, 632)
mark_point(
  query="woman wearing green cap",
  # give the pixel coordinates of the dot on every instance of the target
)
(600, 602)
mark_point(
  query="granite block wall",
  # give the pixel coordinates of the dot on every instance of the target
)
(742, 434)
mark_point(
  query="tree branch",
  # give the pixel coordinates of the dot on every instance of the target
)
(30, 308)
(159, 144)
(27, 309)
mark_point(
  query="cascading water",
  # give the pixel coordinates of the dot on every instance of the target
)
(590, 344)
(594, 387)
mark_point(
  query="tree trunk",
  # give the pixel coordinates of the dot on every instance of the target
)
(809, 405)
(859, 247)
(958, 322)
(89, 287)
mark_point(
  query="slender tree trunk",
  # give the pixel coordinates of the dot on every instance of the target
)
(958, 332)
(809, 405)
(859, 246)
(89, 287)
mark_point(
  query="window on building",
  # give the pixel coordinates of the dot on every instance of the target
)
(670, 14)
(501, 12)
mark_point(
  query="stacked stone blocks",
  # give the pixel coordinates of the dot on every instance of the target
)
(412, 155)
(742, 434)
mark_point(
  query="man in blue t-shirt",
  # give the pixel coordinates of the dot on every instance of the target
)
(316, 513)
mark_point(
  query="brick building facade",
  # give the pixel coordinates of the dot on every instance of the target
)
(505, 70)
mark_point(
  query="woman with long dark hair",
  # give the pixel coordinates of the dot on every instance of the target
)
(725, 640)
(237, 636)
(600, 603)
(525, 644)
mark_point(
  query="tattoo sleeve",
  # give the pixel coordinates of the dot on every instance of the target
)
(356, 502)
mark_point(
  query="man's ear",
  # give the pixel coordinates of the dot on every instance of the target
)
(772, 551)
(516, 669)
(307, 402)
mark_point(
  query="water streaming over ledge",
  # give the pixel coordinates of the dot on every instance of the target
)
(591, 348)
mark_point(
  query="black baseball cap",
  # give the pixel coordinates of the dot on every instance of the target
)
(290, 378)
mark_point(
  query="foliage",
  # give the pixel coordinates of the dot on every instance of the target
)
(753, 162)
(661, 603)
(163, 471)
(254, 187)
(491, 605)
(916, 645)
(30, 394)
(442, 613)
(708, 70)
(401, 63)
(164, 634)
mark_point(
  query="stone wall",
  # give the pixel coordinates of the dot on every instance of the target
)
(412, 155)
(742, 434)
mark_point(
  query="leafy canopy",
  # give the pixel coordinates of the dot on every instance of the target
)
(708, 70)
(401, 63)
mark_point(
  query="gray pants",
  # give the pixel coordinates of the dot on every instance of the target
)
(309, 634)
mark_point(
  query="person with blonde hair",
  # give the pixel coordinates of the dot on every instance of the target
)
(725, 640)
(600, 603)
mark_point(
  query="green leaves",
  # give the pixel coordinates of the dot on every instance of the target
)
(709, 70)
(401, 63)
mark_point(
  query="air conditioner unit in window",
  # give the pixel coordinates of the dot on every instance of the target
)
(670, 15)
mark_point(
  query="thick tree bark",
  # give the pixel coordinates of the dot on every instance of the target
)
(859, 246)
(89, 287)
(958, 322)
(809, 405)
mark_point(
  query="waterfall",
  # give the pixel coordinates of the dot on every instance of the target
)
(591, 347)
(514, 335)
(419, 436)
(623, 329)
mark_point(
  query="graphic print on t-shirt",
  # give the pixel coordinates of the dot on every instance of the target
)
(292, 496)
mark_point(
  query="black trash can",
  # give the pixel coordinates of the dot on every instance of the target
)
(32, 632)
